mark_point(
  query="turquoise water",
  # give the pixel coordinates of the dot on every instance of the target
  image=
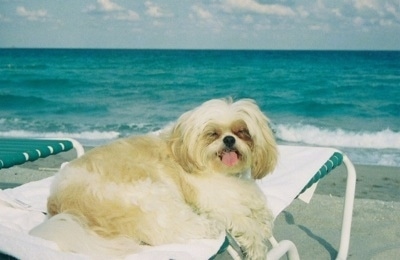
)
(344, 99)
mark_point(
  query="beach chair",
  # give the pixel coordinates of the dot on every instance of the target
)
(16, 151)
(298, 171)
(304, 160)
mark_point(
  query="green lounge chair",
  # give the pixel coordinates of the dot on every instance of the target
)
(298, 167)
(16, 151)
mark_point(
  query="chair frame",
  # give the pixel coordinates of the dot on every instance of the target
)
(33, 154)
(287, 247)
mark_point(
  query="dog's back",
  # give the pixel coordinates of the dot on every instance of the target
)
(119, 196)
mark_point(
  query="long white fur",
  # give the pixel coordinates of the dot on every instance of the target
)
(168, 188)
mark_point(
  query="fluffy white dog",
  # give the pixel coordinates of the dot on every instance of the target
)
(194, 180)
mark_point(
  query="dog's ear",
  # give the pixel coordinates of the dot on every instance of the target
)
(180, 144)
(265, 152)
(265, 157)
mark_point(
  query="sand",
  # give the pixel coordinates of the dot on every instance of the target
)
(315, 227)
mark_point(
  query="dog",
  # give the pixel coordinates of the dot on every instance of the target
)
(193, 180)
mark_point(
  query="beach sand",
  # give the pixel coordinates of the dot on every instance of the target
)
(315, 227)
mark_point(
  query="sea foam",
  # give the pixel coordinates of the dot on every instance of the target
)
(86, 137)
(313, 135)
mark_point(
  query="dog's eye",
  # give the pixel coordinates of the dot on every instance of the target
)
(243, 134)
(213, 134)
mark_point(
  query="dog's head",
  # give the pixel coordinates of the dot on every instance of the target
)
(225, 137)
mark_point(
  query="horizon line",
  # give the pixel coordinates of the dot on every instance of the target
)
(194, 49)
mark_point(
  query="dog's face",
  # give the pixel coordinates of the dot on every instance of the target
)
(226, 147)
(224, 137)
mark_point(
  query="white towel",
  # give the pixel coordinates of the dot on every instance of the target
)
(22, 208)
(296, 166)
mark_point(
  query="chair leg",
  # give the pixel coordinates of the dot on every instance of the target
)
(78, 147)
(348, 209)
(281, 248)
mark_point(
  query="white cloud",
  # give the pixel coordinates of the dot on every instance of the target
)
(108, 6)
(388, 9)
(344, 16)
(204, 18)
(358, 21)
(319, 27)
(201, 12)
(372, 13)
(337, 12)
(127, 15)
(36, 15)
(155, 11)
(255, 7)
(370, 4)
(301, 10)
(103, 6)
(248, 19)
(112, 11)
(391, 9)
(215, 23)
(384, 22)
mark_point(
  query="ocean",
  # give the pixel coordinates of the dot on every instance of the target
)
(344, 99)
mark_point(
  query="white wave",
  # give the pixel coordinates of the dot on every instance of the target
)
(383, 157)
(312, 135)
(375, 148)
(87, 137)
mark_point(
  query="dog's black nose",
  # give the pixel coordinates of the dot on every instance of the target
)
(229, 141)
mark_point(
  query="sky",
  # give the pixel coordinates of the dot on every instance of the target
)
(202, 24)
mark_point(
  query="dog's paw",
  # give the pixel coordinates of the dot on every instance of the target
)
(256, 251)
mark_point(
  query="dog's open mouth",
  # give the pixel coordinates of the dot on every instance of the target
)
(229, 157)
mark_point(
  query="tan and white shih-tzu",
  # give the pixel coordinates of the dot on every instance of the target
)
(192, 181)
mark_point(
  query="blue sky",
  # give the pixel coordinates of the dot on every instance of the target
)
(202, 24)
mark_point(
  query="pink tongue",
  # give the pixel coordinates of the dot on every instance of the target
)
(229, 158)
